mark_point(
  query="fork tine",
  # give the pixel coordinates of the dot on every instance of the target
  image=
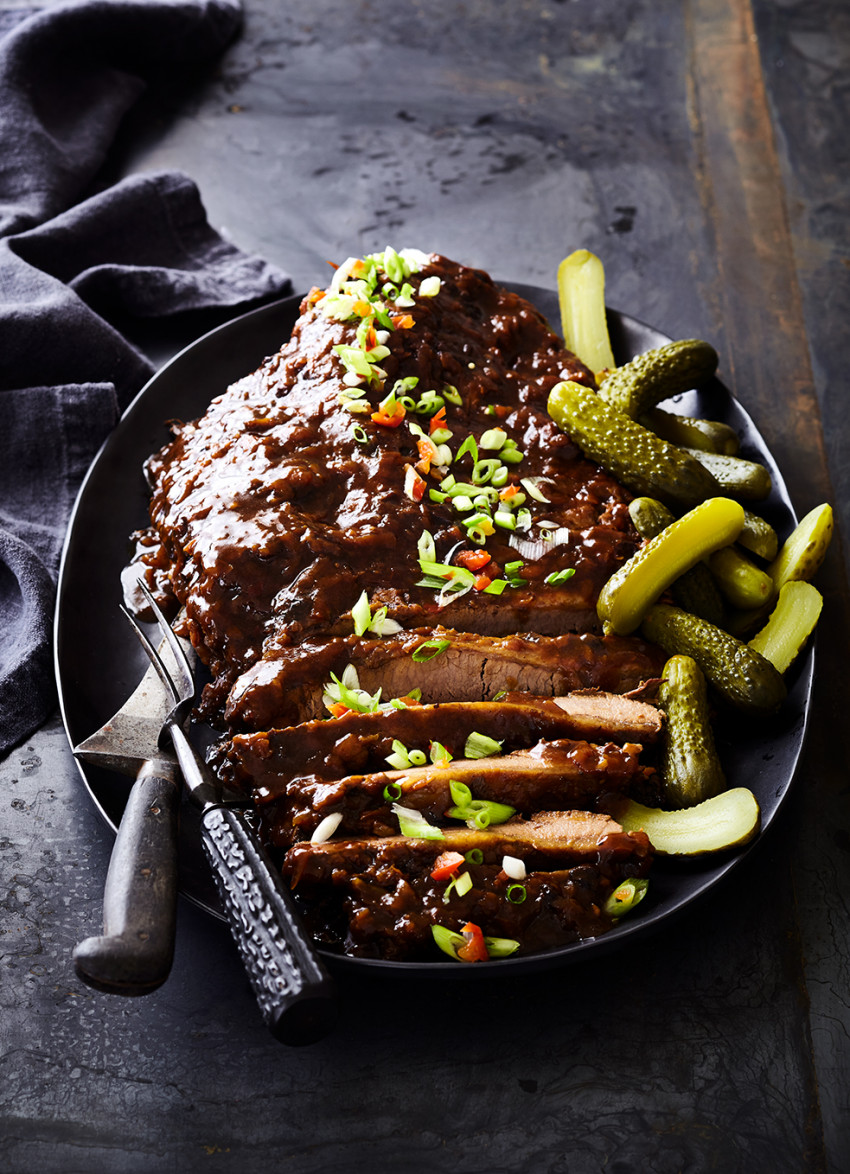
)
(187, 680)
(153, 655)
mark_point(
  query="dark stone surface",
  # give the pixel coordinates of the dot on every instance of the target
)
(682, 151)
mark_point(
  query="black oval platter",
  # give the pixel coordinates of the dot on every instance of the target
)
(99, 661)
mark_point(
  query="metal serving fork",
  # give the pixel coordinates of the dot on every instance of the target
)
(292, 987)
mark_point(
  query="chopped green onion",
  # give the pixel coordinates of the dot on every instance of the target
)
(501, 947)
(494, 439)
(430, 649)
(513, 867)
(392, 791)
(414, 825)
(441, 435)
(624, 898)
(417, 757)
(460, 793)
(496, 587)
(452, 394)
(480, 746)
(426, 546)
(474, 856)
(523, 520)
(361, 613)
(484, 469)
(468, 446)
(511, 456)
(435, 495)
(516, 894)
(429, 287)
(505, 519)
(462, 503)
(359, 432)
(326, 828)
(402, 386)
(448, 940)
(346, 690)
(438, 753)
(531, 485)
(500, 477)
(558, 577)
(511, 568)
(399, 759)
(480, 813)
(463, 884)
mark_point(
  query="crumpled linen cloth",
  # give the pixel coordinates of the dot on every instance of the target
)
(75, 264)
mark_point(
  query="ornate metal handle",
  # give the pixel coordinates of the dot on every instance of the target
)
(294, 992)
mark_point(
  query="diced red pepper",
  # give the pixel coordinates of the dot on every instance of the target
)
(508, 492)
(445, 864)
(409, 701)
(438, 420)
(315, 295)
(362, 308)
(427, 453)
(475, 949)
(389, 421)
(481, 582)
(401, 321)
(473, 560)
(338, 709)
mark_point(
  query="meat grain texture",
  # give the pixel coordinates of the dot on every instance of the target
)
(306, 485)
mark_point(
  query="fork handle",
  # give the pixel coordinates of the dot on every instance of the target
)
(134, 954)
(294, 991)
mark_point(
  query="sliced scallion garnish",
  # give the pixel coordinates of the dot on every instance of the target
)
(558, 577)
(430, 649)
(516, 894)
(392, 791)
(480, 746)
(624, 898)
(414, 825)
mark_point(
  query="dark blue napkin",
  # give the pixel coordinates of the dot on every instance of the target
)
(76, 265)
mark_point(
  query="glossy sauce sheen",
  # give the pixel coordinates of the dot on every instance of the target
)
(272, 518)
(273, 513)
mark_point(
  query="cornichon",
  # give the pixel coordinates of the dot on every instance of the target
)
(658, 374)
(631, 590)
(694, 591)
(804, 550)
(581, 294)
(745, 479)
(743, 583)
(691, 432)
(758, 536)
(791, 623)
(690, 767)
(726, 821)
(639, 459)
(743, 677)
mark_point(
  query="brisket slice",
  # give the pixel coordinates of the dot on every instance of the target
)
(357, 743)
(376, 897)
(286, 687)
(550, 775)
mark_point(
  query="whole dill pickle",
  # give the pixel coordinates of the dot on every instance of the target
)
(631, 590)
(658, 374)
(690, 767)
(742, 676)
(747, 480)
(743, 583)
(759, 537)
(695, 590)
(640, 460)
(691, 432)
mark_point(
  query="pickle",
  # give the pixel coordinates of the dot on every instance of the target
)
(643, 462)
(791, 623)
(631, 591)
(728, 820)
(735, 476)
(581, 294)
(695, 590)
(743, 583)
(758, 536)
(690, 432)
(658, 374)
(690, 768)
(742, 676)
(804, 551)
